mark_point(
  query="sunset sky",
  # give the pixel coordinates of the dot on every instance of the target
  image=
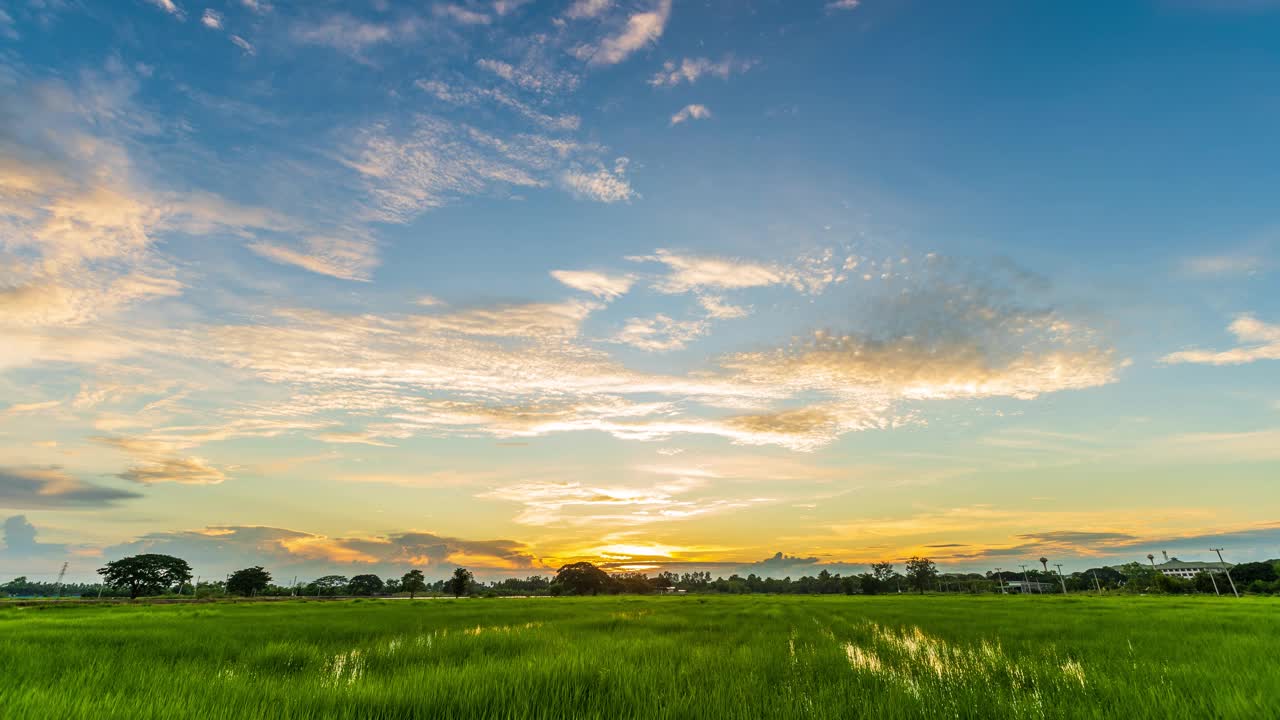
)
(739, 285)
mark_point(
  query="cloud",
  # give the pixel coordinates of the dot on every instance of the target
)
(211, 19)
(464, 97)
(438, 161)
(256, 5)
(35, 407)
(642, 29)
(157, 462)
(350, 35)
(690, 112)
(50, 487)
(170, 7)
(242, 44)
(718, 309)
(219, 549)
(693, 272)
(1260, 341)
(462, 15)
(601, 184)
(660, 333)
(779, 560)
(608, 287)
(581, 9)
(20, 540)
(1223, 265)
(571, 503)
(689, 70)
(343, 258)
(843, 4)
(529, 77)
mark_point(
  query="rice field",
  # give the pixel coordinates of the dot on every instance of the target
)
(660, 657)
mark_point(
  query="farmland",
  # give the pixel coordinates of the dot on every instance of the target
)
(715, 656)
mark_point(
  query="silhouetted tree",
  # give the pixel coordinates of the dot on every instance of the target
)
(582, 578)
(249, 581)
(413, 583)
(146, 574)
(365, 585)
(460, 583)
(920, 572)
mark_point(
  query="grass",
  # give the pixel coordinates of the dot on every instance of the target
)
(663, 657)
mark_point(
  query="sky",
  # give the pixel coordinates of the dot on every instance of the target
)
(732, 285)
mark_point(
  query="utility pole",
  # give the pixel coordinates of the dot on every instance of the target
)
(1026, 578)
(1061, 579)
(295, 586)
(1229, 578)
(1096, 584)
(1215, 584)
(1000, 579)
(61, 574)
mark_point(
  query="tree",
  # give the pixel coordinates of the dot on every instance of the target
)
(413, 582)
(920, 571)
(882, 571)
(146, 574)
(249, 581)
(582, 578)
(365, 585)
(460, 583)
(328, 585)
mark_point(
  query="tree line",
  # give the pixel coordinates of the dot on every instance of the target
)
(151, 575)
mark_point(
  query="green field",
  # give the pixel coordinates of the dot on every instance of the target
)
(717, 656)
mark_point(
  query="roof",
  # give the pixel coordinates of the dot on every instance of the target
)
(1181, 565)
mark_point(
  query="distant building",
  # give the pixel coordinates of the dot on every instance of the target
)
(1187, 570)
(1023, 586)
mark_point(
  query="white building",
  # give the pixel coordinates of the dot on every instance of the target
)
(1187, 570)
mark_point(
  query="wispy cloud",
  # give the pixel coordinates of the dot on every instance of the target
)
(690, 112)
(170, 7)
(641, 29)
(843, 4)
(211, 19)
(660, 333)
(51, 487)
(601, 184)
(1259, 341)
(1224, 265)
(600, 284)
(690, 70)
(581, 9)
(157, 462)
(460, 14)
(344, 258)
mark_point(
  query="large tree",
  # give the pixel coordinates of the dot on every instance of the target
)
(921, 571)
(582, 578)
(249, 581)
(329, 585)
(146, 574)
(460, 583)
(365, 585)
(413, 583)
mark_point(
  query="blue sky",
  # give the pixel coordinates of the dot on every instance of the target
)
(331, 286)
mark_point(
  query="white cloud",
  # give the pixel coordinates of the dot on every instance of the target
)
(601, 184)
(1260, 341)
(1225, 265)
(581, 9)
(345, 258)
(660, 333)
(464, 97)
(211, 19)
(597, 283)
(256, 5)
(462, 15)
(349, 34)
(168, 6)
(242, 44)
(690, 69)
(691, 112)
(548, 81)
(718, 309)
(642, 29)
(691, 272)
(843, 4)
